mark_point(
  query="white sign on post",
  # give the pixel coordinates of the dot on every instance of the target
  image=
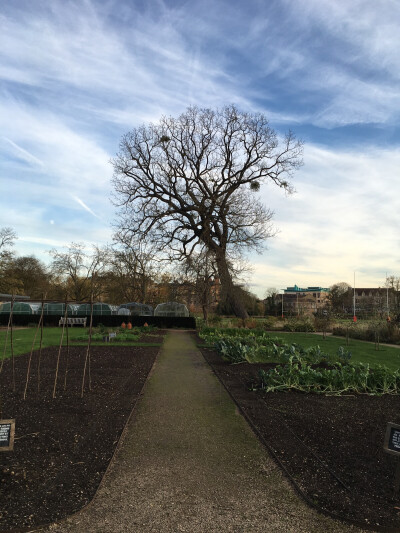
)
(7, 430)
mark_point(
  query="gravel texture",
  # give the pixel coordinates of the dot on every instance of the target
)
(188, 461)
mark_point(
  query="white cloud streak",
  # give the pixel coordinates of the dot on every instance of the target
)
(81, 203)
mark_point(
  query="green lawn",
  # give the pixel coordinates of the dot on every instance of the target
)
(361, 351)
(23, 339)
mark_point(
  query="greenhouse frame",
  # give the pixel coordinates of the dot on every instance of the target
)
(173, 309)
(136, 309)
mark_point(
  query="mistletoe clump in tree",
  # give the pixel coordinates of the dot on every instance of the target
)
(191, 181)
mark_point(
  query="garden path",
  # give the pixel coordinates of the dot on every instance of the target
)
(188, 461)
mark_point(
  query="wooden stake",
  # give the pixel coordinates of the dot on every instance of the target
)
(40, 355)
(67, 361)
(90, 342)
(12, 343)
(33, 347)
(88, 348)
(59, 352)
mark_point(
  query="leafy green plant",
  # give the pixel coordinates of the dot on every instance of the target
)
(299, 375)
(233, 350)
(344, 355)
(101, 329)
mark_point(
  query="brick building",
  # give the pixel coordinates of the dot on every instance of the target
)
(298, 301)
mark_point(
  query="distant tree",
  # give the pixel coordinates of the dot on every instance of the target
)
(201, 274)
(131, 273)
(340, 297)
(80, 271)
(393, 284)
(191, 181)
(271, 305)
(32, 276)
(8, 283)
(7, 238)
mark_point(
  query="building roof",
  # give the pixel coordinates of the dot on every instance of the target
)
(295, 288)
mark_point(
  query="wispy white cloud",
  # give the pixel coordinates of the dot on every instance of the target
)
(343, 218)
(76, 75)
(23, 154)
(81, 203)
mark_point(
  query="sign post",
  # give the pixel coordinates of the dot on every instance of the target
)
(392, 446)
(7, 431)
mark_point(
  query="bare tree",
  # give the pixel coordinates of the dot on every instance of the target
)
(132, 270)
(199, 271)
(393, 284)
(191, 181)
(7, 238)
(271, 301)
(8, 281)
(81, 271)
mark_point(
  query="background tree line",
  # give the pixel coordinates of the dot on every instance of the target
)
(115, 274)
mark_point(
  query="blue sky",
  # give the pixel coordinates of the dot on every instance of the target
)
(75, 76)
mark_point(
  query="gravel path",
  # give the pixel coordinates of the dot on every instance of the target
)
(189, 462)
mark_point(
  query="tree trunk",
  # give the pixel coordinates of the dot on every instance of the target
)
(228, 292)
(205, 313)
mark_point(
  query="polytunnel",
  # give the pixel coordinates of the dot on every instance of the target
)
(21, 308)
(136, 309)
(99, 309)
(58, 309)
(171, 309)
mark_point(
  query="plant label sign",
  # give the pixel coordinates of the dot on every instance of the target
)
(392, 439)
(7, 430)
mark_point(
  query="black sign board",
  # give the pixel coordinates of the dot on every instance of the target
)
(7, 430)
(392, 439)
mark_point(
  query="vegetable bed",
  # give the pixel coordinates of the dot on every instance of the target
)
(330, 446)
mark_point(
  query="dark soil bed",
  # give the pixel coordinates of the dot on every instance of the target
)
(331, 446)
(64, 445)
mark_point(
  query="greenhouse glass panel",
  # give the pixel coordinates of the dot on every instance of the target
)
(137, 309)
(21, 308)
(171, 309)
(123, 311)
(99, 309)
(58, 309)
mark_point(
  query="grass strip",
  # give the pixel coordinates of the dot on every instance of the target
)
(23, 339)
